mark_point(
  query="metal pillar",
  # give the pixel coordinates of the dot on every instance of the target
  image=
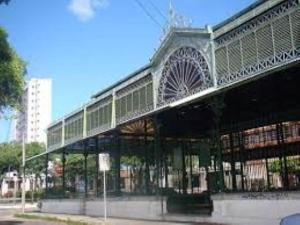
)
(242, 175)
(157, 153)
(191, 167)
(232, 163)
(165, 164)
(46, 175)
(268, 177)
(184, 173)
(158, 159)
(241, 149)
(63, 172)
(85, 174)
(147, 178)
(97, 165)
(217, 104)
(284, 170)
(117, 155)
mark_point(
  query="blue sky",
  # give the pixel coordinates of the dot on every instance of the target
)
(86, 45)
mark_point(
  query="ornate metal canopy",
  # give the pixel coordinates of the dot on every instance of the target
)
(185, 73)
(139, 127)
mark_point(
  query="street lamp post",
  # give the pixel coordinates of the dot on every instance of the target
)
(15, 179)
(23, 177)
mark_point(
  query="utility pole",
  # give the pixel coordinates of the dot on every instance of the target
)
(23, 177)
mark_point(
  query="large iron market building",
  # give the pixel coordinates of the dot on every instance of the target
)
(211, 124)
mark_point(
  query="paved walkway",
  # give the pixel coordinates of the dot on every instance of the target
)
(99, 221)
(7, 212)
(17, 206)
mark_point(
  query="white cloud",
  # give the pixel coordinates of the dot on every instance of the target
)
(85, 9)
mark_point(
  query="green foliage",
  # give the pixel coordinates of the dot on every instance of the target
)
(12, 72)
(131, 161)
(37, 195)
(37, 165)
(11, 157)
(50, 218)
(292, 165)
(274, 167)
(75, 166)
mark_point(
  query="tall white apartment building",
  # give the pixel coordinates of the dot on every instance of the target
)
(36, 113)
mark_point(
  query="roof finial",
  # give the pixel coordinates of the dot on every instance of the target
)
(171, 11)
(175, 20)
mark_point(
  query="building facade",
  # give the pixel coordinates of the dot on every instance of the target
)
(35, 116)
(211, 123)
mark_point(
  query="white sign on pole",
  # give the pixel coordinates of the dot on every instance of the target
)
(104, 164)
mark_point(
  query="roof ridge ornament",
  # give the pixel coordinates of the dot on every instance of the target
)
(175, 20)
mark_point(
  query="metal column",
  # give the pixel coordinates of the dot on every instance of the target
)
(217, 105)
(147, 178)
(85, 174)
(97, 165)
(157, 153)
(232, 162)
(117, 155)
(284, 170)
(63, 173)
(46, 175)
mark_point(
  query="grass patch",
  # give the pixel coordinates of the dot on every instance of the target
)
(49, 218)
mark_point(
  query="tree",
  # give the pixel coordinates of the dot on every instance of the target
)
(11, 157)
(36, 166)
(12, 72)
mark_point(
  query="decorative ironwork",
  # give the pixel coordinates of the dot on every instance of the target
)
(134, 114)
(175, 20)
(54, 136)
(138, 127)
(98, 116)
(258, 21)
(185, 73)
(260, 67)
(74, 128)
(268, 41)
(136, 85)
(134, 100)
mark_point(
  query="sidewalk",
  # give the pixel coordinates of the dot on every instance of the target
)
(110, 221)
(17, 206)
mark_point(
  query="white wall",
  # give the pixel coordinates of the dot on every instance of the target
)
(233, 209)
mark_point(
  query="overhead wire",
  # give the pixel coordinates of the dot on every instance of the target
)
(158, 10)
(146, 11)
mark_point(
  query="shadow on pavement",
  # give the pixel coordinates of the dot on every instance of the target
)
(10, 222)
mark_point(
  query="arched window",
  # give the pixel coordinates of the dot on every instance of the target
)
(185, 73)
